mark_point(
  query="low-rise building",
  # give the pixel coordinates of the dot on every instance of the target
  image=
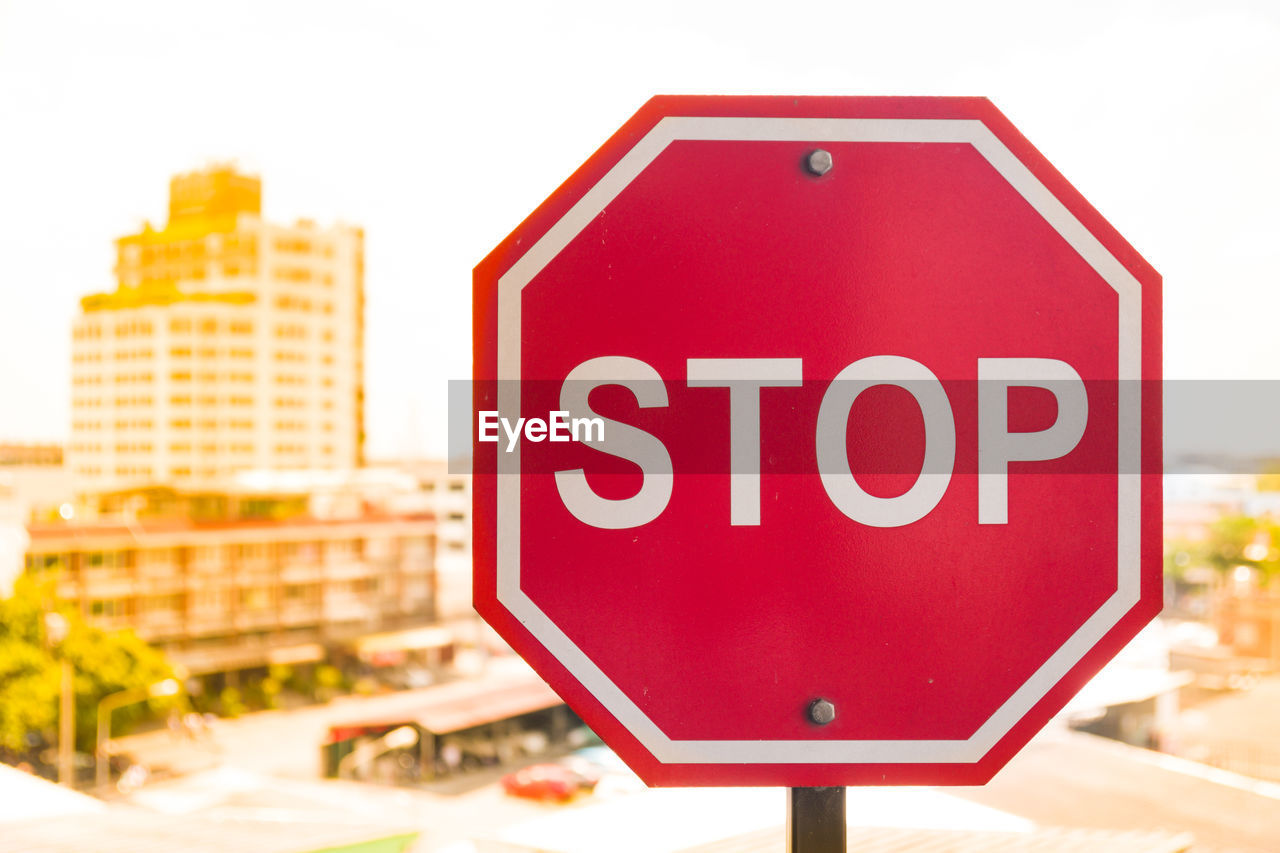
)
(231, 580)
(33, 481)
(448, 494)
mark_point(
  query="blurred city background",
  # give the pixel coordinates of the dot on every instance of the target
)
(235, 244)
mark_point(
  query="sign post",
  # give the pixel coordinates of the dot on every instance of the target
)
(817, 443)
(816, 820)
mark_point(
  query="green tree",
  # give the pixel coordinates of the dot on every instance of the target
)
(103, 662)
(1234, 540)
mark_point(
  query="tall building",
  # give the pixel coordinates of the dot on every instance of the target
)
(229, 343)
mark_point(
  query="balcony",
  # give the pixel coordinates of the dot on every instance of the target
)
(347, 570)
(249, 620)
(160, 584)
(301, 614)
(160, 624)
(205, 624)
(108, 585)
(349, 610)
(150, 571)
(302, 573)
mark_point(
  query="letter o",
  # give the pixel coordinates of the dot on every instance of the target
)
(939, 432)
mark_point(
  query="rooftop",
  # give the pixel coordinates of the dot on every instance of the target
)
(143, 529)
(160, 294)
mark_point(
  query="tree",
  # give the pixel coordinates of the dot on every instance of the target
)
(103, 662)
(1234, 540)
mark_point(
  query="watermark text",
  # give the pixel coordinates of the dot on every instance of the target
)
(558, 426)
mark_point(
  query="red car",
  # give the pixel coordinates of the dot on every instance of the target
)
(548, 782)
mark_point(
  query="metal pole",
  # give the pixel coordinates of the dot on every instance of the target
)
(815, 820)
(100, 768)
(56, 629)
(67, 727)
(106, 705)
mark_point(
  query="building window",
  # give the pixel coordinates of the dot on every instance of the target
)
(171, 604)
(46, 562)
(298, 274)
(156, 556)
(107, 608)
(255, 551)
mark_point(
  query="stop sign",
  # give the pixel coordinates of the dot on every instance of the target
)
(817, 441)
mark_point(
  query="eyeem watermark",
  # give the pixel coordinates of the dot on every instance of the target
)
(557, 427)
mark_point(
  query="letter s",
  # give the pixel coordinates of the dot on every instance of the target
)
(621, 440)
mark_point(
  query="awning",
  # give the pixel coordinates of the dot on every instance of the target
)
(204, 661)
(413, 639)
(456, 706)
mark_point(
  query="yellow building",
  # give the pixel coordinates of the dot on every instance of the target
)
(229, 343)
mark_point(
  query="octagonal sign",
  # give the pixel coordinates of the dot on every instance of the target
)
(816, 441)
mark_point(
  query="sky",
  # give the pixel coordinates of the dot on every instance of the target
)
(440, 126)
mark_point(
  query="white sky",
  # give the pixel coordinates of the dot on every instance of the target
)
(440, 126)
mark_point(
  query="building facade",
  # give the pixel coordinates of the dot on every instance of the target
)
(448, 496)
(229, 343)
(222, 582)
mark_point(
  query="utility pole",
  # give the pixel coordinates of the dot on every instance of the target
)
(56, 629)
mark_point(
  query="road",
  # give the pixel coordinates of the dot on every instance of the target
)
(270, 760)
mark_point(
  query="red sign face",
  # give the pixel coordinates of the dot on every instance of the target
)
(841, 442)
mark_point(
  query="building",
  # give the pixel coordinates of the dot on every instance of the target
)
(244, 577)
(448, 495)
(31, 455)
(229, 343)
(1248, 621)
(33, 482)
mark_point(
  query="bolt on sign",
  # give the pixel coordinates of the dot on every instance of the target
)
(867, 480)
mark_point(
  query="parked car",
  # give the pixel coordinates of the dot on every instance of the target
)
(559, 782)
